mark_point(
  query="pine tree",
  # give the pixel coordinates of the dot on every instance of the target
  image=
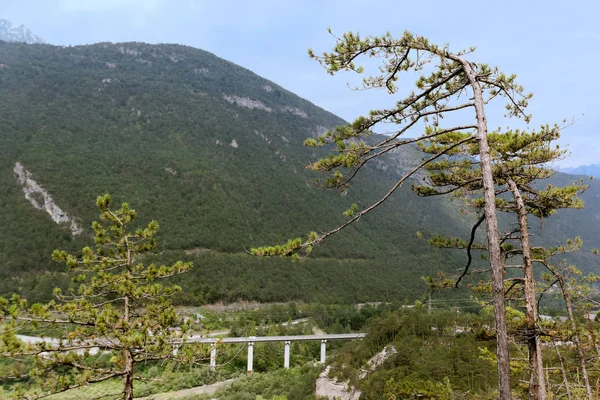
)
(520, 160)
(119, 307)
(575, 289)
(449, 84)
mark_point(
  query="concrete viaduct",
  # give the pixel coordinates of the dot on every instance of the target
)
(249, 341)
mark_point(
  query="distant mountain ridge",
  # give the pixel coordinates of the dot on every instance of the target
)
(22, 34)
(589, 170)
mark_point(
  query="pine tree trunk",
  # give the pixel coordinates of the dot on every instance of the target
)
(128, 377)
(564, 372)
(492, 236)
(127, 360)
(537, 384)
(576, 339)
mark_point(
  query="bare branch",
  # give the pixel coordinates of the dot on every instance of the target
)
(469, 256)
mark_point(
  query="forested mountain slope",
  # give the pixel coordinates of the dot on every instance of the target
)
(584, 223)
(214, 153)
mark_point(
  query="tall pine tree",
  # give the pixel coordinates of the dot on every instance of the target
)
(449, 83)
(521, 160)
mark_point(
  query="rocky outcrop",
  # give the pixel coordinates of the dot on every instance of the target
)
(41, 199)
(246, 102)
(378, 359)
(256, 104)
(295, 111)
(332, 389)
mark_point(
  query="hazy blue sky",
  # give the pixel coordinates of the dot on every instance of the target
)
(554, 46)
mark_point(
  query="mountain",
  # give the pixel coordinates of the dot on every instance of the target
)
(588, 170)
(214, 153)
(207, 148)
(10, 33)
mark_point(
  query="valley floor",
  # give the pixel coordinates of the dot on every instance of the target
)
(185, 393)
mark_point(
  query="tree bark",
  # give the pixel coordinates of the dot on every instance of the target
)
(127, 359)
(537, 384)
(576, 339)
(564, 372)
(495, 257)
(128, 377)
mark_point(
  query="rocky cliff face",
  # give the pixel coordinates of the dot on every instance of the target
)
(332, 389)
(41, 199)
(11, 33)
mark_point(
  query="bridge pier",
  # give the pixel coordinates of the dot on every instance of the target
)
(250, 356)
(323, 350)
(286, 355)
(213, 356)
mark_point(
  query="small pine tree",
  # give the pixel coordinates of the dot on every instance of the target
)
(576, 291)
(119, 307)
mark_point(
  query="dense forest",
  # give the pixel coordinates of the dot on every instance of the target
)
(156, 126)
(446, 354)
(214, 153)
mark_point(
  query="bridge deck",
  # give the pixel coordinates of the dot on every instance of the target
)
(214, 340)
(290, 338)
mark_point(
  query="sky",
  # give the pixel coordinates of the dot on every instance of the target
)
(552, 46)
